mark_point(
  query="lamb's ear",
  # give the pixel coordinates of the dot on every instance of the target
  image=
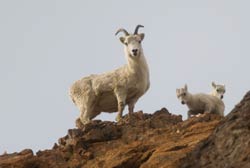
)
(213, 85)
(186, 87)
(122, 39)
(142, 35)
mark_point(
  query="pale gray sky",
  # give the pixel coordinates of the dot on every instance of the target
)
(46, 45)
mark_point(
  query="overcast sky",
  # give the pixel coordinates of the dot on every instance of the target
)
(46, 45)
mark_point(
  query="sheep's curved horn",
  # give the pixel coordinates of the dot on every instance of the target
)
(136, 29)
(122, 30)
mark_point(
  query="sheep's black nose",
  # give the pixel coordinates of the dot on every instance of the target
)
(182, 102)
(221, 97)
(134, 51)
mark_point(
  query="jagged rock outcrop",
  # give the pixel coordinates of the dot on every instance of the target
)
(229, 144)
(141, 140)
(147, 141)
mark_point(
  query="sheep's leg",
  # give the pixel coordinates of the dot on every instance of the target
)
(189, 113)
(86, 114)
(221, 111)
(208, 109)
(194, 112)
(94, 114)
(121, 98)
(121, 106)
(131, 106)
(84, 119)
(86, 110)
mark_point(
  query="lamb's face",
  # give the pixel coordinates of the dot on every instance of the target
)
(218, 90)
(182, 94)
(132, 44)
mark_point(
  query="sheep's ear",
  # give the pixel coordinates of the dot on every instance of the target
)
(122, 39)
(177, 91)
(142, 35)
(186, 87)
(213, 85)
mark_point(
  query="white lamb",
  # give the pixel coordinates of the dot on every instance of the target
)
(112, 91)
(200, 103)
(218, 90)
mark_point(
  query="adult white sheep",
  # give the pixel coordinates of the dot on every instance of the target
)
(112, 91)
(200, 103)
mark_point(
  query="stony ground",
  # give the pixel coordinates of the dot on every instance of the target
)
(147, 141)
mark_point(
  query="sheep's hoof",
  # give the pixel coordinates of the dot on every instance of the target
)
(118, 118)
(85, 121)
(79, 123)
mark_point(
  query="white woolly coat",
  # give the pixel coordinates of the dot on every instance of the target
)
(131, 80)
(200, 103)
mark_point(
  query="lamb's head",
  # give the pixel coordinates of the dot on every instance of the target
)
(132, 42)
(182, 94)
(218, 90)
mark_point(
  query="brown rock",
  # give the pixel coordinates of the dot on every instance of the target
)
(148, 141)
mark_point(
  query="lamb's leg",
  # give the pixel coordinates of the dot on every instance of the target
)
(192, 112)
(221, 112)
(121, 98)
(189, 113)
(208, 109)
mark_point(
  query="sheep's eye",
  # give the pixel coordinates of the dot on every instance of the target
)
(217, 90)
(139, 42)
(126, 43)
(184, 94)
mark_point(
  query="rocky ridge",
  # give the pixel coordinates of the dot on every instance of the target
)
(146, 140)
